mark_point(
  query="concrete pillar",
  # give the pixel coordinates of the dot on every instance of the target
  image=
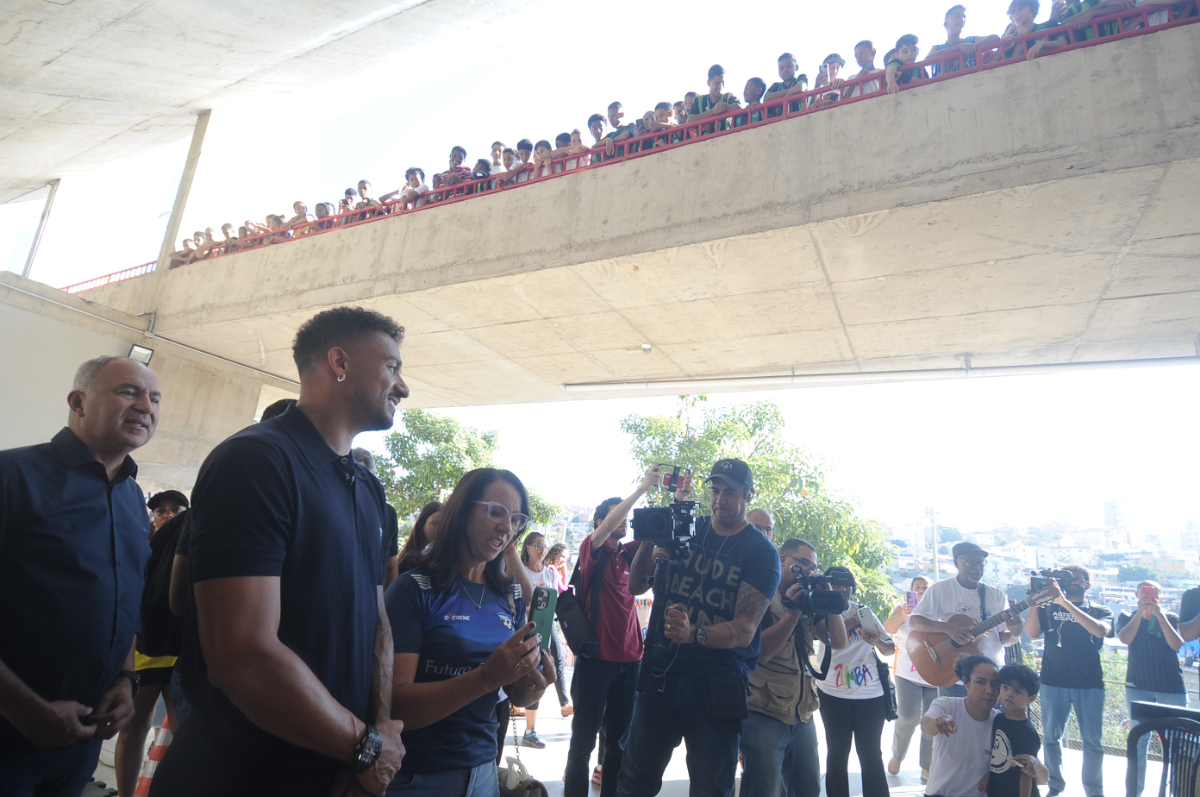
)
(181, 197)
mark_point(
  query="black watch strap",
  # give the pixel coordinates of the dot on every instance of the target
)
(367, 751)
(135, 680)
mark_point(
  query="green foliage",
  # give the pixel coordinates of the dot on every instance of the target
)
(949, 534)
(790, 483)
(944, 549)
(1137, 573)
(429, 454)
(541, 511)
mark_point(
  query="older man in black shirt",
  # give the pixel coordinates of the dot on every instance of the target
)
(1075, 630)
(287, 657)
(73, 551)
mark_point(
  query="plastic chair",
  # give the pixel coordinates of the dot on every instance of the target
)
(1181, 756)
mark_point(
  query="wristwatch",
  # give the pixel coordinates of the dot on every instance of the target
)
(367, 751)
(134, 679)
(701, 637)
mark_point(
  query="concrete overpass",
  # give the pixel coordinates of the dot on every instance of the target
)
(1038, 213)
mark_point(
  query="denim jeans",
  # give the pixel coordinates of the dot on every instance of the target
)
(1146, 696)
(57, 772)
(775, 753)
(953, 690)
(480, 781)
(603, 694)
(912, 701)
(662, 717)
(1089, 712)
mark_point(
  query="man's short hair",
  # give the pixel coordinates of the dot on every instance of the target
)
(85, 374)
(603, 508)
(541, 144)
(792, 543)
(339, 326)
(1080, 571)
(615, 104)
(663, 106)
(864, 43)
(351, 192)
(761, 84)
(714, 70)
(411, 170)
(525, 144)
(457, 148)
(677, 104)
(227, 226)
(691, 94)
(911, 39)
(1021, 676)
(365, 182)
(562, 139)
(277, 408)
(364, 457)
(494, 143)
(961, 8)
(594, 118)
(785, 56)
(1033, 5)
(509, 151)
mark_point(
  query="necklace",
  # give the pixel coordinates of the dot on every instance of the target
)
(482, 593)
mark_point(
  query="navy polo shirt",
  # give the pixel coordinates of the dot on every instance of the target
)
(276, 500)
(73, 554)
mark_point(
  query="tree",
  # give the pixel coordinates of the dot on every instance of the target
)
(789, 482)
(541, 511)
(428, 455)
(1137, 573)
(949, 534)
(944, 549)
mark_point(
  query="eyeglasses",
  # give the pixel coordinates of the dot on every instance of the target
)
(499, 512)
(973, 564)
(539, 546)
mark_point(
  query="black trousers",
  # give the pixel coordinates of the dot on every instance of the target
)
(857, 722)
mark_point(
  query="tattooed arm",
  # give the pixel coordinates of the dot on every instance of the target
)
(380, 705)
(737, 633)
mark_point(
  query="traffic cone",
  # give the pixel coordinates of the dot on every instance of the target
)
(162, 740)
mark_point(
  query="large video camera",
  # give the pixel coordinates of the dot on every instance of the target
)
(672, 527)
(1040, 579)
(816, 593)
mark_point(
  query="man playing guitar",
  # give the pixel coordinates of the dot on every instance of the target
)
(960, 595)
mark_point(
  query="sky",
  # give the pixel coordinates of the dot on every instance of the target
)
(984, 452)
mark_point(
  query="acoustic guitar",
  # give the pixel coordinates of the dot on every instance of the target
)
(933, 653)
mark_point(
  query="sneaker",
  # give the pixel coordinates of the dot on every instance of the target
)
(596, 775)
(531, 739)
(567, 710)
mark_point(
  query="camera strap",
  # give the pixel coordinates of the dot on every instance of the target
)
(800, 641)
(983, 615)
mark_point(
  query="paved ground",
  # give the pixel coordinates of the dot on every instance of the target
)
(547, 765)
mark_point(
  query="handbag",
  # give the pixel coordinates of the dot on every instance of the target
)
(890, 711)
(515, 780)
(578, 630)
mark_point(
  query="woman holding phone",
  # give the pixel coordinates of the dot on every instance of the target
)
(913, 693)
(460, 636)
(1153, 674)
(533, 555)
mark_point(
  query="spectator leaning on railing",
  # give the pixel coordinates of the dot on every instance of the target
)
(955, 21)
(716, 103)
(1075, 630)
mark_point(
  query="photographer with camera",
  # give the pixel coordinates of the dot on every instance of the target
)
(779, 742)
(1071, 674)
(718, 585)
(603, 685)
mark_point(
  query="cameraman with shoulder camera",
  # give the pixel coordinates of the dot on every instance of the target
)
(1071, 675)
(779, 743)
(718, 592)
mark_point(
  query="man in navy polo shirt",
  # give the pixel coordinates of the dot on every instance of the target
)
(697, 691)
(73, 552)
(287, 654)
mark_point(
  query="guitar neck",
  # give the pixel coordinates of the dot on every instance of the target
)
(998, 618)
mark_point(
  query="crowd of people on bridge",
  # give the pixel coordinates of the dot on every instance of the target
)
(302, 651)
(672, 122)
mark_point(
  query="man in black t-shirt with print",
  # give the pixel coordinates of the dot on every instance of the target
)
(1071, 676)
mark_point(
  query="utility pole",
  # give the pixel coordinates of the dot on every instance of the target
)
(932, 514)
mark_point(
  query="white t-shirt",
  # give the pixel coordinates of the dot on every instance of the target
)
(947, 598)
(904, 666)
(962, 759)
(547, 577)
(853, 672)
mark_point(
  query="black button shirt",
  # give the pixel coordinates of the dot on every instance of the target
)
(73, 554)
(275, 500)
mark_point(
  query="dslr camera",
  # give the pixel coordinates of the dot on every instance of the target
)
(671, 527)
(816, 593)
(1040, 579)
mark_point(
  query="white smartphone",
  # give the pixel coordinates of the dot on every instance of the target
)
(866, 619)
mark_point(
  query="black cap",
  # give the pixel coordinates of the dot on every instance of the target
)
(167, 497)
(733, 472)
(966, 549)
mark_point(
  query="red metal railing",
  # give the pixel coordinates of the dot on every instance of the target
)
(939, 67)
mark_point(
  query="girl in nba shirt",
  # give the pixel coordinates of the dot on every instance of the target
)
(852, 701)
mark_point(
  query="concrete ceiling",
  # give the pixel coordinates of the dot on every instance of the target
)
(85, 82)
